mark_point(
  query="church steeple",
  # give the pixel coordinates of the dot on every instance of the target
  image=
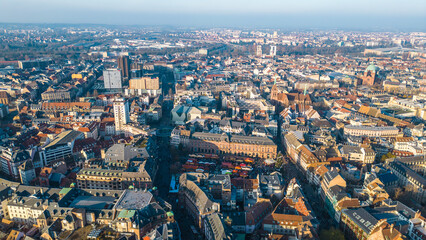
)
(275, 79)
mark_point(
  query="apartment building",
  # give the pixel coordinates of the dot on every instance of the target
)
(90, 130)
(62, 94)
(121, 115)
(11, 159)
(66, 106)
(300, 154)
(370, 131)
(357, 154)
(195, 201)
(408, 177)
(114, 179)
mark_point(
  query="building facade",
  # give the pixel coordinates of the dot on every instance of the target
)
(121, 115)
(261, 147)
(353, 130)
(112, 79)
(124, 65)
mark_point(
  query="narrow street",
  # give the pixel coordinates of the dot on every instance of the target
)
(290, 171)
(162, 180)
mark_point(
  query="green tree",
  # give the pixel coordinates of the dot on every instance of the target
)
(387, 156)
(332, 233)
(279, 161)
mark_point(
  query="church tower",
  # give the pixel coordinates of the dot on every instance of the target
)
(370, 75)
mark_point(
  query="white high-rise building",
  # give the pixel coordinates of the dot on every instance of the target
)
(273, 51)
(259, 50)
(121, 114)
(112, 78)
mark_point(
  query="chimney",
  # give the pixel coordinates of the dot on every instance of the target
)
(391, 227)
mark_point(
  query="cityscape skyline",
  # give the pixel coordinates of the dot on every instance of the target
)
(330, 14)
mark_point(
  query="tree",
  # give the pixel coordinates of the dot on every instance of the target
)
(279, 161)
(398, 193)
(387, 156)
(332, 233)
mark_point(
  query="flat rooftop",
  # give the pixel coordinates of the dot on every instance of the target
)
(133, 200)
(92, 202)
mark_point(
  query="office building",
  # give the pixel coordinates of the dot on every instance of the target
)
(112, 79)
(60, 148)
(144, 86)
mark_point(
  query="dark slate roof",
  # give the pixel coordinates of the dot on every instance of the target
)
(387, 178)
(362, 218)
(27, 165)
(330, 175)
(412, 160)
(408, 173)
(338, 192)
(321, 123)
(216, 226)
(224, 179)
(274, 179)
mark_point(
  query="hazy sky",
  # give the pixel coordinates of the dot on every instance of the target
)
(234, 13)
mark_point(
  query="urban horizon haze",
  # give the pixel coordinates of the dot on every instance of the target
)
(330, 14)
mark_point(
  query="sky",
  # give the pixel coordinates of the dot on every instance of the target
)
(292, 14)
